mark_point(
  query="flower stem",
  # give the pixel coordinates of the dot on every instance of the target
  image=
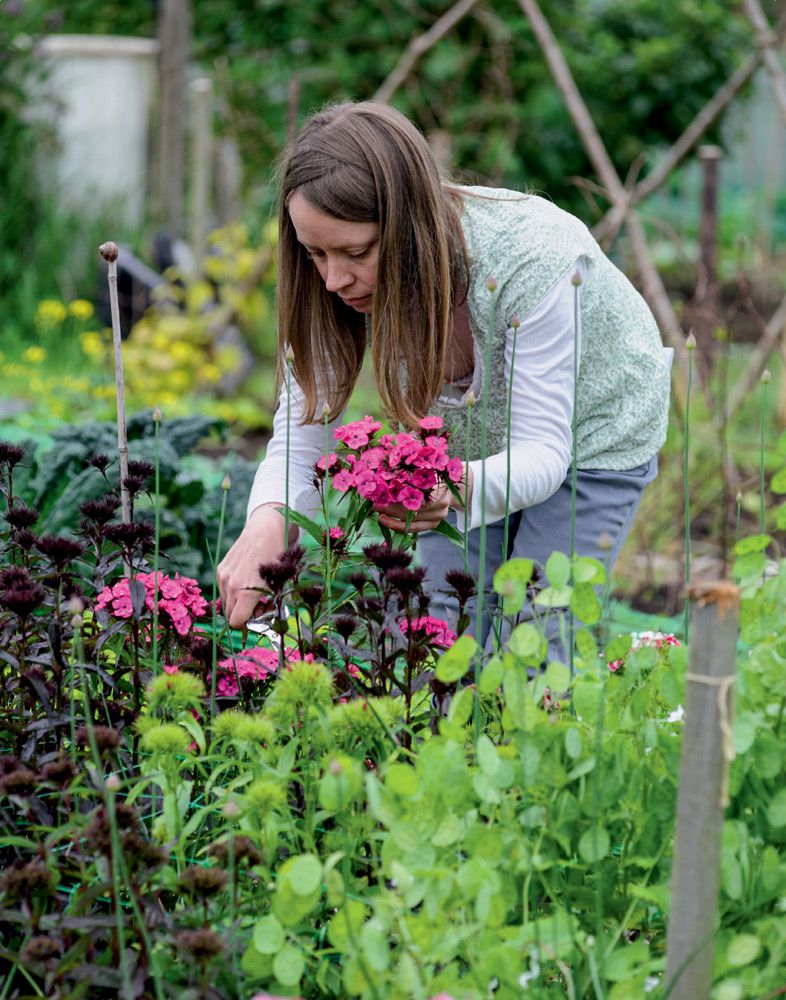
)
(576, 281)
(286, 457)
(492, 287)
(685, 487)
(470, 407)
(765, 379)
(214, 628)
(157, 514)
(515, 328)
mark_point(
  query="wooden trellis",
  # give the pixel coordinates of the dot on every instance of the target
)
(624, 198)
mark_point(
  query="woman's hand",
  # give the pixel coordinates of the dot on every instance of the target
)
(394, 516)
(239, 582)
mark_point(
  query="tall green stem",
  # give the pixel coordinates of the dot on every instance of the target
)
(576, 282)
(765, 381)
(325, 510)
(289, 360)
(492, 287)
(157, 514)
(690, 343)
(515, 324)
(468, 449)
(225, 487)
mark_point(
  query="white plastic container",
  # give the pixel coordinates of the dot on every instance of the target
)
(98, 93)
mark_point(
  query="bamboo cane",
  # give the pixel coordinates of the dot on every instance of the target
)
(110, 252)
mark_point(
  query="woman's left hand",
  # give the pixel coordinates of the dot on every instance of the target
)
(394, 516)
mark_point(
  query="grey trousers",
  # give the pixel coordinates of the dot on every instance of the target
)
(606, 505)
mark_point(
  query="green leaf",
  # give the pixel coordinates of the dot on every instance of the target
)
(315, 530)
(585, 604)
(753, 543)
(750, 566)
(588, 570)
(305, 874)
(461, 706)
(289, 966)
(491, 676)
(780, 517)
(594, 844)
(586, 700)
(255, 964)
(375, 946)
(622, 961)
(268, 935)
(554, 597)
(528, 643)
(558, 570)
(573, 743)
(776, 811)
(454, 662)
(401, 779)
(488, 758)
(510, 582)
(743, 949)
(618, 648)
(449, 531)
(586, 646)
(778, 481)
(557, 677)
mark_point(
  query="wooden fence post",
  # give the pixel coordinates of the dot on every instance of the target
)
(707, 751)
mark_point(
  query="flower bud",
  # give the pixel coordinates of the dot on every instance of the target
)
(690, 342)
(576, 279)
(605, 541)
(335, 767)
(325, 411)
(471, 398)
(491, 283)
(157, 416)
(226, 482)
(739, 498)
(766, 377)
(231, 809)
(289, 357)
(109, 251)
(515, 322)
(113, 783)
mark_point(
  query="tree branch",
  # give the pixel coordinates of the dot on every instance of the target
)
(418, 47)
(767, 41)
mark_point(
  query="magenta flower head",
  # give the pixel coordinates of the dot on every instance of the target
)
(432, 423)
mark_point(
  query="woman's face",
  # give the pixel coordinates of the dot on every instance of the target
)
(344, 253)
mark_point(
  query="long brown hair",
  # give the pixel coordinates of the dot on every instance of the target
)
(366, 162)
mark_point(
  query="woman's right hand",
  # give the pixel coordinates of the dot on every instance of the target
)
(239, 582)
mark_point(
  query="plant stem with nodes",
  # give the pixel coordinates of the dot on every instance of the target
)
(576, 282)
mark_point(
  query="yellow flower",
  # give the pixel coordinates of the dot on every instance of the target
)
(104, 392)
(81, 309)
(179, 380)
(34, 355)
(91, 343)
(182, 352)
(209, 372)
(50, 312)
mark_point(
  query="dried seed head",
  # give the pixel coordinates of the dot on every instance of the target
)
(199, 881)
(109, 251)
(202, 944)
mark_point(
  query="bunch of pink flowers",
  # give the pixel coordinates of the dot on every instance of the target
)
(656, 640)
(436, 631)
(179, 599)
(393, 468)
(256, 663)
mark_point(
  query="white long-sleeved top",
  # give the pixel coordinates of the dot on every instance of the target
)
(542, 395)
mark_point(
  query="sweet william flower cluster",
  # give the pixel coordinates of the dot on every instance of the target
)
(179, 599)
(392, 468)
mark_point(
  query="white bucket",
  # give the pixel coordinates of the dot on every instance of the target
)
(98, 93)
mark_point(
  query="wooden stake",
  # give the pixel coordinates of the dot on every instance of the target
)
(110, 252)
(707, 751)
